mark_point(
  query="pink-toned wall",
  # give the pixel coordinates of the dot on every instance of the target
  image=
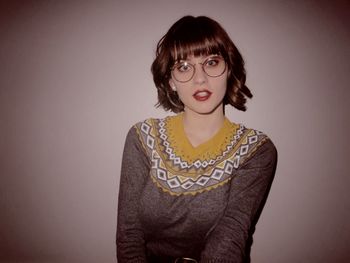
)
(75, 76)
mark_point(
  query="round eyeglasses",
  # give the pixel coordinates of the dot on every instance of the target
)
(213, 66)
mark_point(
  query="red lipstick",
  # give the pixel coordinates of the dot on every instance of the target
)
(202, 95)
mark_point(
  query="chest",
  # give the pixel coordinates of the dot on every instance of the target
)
(166, 215)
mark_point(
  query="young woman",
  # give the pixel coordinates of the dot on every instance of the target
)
(192, 184)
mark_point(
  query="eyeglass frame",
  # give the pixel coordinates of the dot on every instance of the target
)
(202, 64)
(184, 260)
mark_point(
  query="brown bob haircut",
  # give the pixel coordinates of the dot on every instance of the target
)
(198, 36)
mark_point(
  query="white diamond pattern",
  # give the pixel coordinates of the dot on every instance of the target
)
(161, 174)
(187, 185)
(173, 183)
(217, 174)
(145, 128)
(244, 149)
(202, 181)
(228, 167)
(253, 139)
(198, 163)
(150, 141)
(228, 160)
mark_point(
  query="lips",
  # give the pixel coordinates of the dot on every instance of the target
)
(202, 95)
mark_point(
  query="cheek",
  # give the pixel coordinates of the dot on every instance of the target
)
(184, 95)
(183, 91)
(224, 84)
(221, 86)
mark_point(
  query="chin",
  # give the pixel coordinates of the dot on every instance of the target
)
(206, 109)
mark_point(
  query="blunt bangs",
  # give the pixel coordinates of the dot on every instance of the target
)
(197, 37)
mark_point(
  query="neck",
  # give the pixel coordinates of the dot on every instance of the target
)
(201, 127)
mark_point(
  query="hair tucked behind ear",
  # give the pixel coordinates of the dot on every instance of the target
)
(198, 36)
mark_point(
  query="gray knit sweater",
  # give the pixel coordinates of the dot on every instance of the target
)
(178, 201)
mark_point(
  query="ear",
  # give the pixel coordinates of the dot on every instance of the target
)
(172, 84)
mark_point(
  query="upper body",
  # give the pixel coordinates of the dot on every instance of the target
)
(178, 200)
(192, 184)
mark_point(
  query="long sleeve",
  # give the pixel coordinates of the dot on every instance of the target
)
(135, 167)
(227, 241)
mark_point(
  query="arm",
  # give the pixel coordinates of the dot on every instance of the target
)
(135, 167)
(249, 187)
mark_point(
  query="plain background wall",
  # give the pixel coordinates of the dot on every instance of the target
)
(75, 76)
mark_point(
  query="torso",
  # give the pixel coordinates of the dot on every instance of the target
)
(188, 187)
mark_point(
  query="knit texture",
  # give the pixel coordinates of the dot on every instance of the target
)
(181, 201)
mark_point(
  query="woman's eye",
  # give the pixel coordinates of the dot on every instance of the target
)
(183, 67)
(212, 62)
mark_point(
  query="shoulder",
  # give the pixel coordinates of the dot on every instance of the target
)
(145, 125)
(147, 130)
(149, 123)
(259, 148)
(152, 126)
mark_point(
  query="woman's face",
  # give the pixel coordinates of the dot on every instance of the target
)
(201, 94)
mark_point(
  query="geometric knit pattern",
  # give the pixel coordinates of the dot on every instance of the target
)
(176, 176)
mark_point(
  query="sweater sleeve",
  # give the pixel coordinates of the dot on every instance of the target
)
(135, 167)
(226, 243)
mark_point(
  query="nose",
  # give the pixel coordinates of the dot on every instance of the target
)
(200, 76)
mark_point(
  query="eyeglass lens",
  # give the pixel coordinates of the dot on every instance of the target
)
(214, 66)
